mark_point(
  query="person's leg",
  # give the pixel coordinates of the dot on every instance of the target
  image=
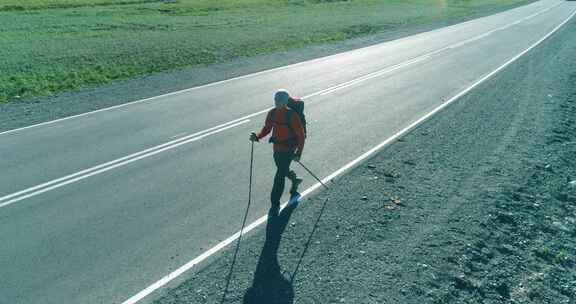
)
(296, 181)
(291, 175)
(282, 161)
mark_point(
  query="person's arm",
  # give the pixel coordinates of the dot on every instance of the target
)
(267, 127)
(298, 129)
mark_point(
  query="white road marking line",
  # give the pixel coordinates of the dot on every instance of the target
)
(457, 45)
(533, 15)
(166, 279)
(371, 76)
(321, 92)
(417, 59)
(103, 168)
(252, 75)
(117, 160)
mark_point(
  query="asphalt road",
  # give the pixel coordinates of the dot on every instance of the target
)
(87, 217)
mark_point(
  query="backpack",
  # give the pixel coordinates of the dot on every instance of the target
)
(297, 105)
(286, 123)
(294, 106)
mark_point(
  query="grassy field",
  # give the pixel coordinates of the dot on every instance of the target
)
(49, 46)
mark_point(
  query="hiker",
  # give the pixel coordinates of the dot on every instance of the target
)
(288, 135)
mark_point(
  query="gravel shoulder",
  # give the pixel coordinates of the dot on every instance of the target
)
(476, 205)
(41, 109)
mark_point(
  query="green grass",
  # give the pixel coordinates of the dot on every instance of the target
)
(192, 4)
(49, 46)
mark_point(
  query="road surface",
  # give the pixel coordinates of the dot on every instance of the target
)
(95, 208)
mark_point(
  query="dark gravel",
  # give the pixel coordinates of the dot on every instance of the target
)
(477, 205)
(40, 109)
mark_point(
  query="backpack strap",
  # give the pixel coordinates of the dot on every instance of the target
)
(297, 105)
(287, 117)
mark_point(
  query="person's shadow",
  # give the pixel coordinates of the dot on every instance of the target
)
(269, 285)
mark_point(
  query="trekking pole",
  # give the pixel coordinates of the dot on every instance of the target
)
(313, 175)
(243, 224)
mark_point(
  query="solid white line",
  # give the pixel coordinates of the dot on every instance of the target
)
(416, 59)
(255, 74)
(166, 279)
(373, 75)
(534, 15)
(457, 45)
(119, 159)
(65, 181)
(476, 38)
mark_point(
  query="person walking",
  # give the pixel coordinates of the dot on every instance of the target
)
(288, 136)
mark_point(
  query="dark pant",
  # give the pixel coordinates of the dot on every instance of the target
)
(282, 160)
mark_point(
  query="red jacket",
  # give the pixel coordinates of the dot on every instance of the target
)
(287, 136)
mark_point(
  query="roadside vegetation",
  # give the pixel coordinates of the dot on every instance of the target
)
(50, 46)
